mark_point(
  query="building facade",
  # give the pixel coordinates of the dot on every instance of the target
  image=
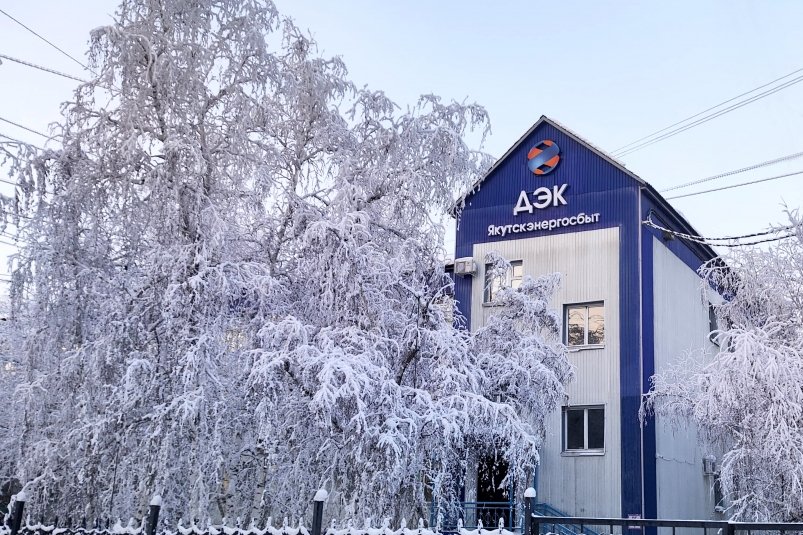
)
(632, 305)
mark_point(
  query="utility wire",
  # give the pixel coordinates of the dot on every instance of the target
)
(622, 148)
(6, 214)
(45, 40)
(735, 185)
(15, 140)
(713, 241)
(710, 117)
(707, 118)
(26, 128)
(736, 171)
(45, 69)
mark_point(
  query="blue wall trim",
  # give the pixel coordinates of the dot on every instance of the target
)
(594, 185)
(648, 370)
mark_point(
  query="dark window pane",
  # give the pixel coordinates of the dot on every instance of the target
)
(712, 324)
(575, 326)
(489, 280)
(596, 324)
(574, 429)
(596, 429)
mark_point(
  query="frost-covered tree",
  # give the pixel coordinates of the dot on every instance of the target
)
(748, 401)
(232, 273)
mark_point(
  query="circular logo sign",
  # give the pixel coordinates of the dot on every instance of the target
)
(543, 157)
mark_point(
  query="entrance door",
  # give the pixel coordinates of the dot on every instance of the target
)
(493, 499)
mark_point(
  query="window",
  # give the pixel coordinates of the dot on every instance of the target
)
(512, 279)
(583, 429)
(712, 324)
(585, 325)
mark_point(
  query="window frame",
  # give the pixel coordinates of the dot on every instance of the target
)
(585, 450)
(510, 281)
(713, 324)
(585, 345)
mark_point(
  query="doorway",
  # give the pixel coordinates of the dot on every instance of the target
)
(493, 498)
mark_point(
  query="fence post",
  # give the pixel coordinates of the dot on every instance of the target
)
(317, 511)
(16, 512)
(529, 507)
(153, 514)
(731, 529)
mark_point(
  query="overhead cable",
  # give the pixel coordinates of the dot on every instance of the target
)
(621, 149)
(735, 185)
(15, 140)
(45, 40)
(737, 171)
(6, 214)
(41, 68)
(714, 242)
(670, 132)
(25, 128)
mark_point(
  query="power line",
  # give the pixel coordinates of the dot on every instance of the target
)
(710, 117)
(707, 118)
(737, 171)
(45, 40)
(41, 68)
(713, 241)
(735, 185)
(622, 148)
(15, 140)
(15, 215)
(26, 128)
(651, 223)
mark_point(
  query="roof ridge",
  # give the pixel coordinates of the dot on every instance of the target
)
(568, 131)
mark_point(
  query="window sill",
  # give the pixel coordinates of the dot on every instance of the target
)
(575, 349)
(491, 304)
(582, 453)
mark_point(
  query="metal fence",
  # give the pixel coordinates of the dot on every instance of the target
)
(563, 525)
(529, 523)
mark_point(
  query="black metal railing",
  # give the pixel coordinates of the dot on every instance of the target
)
(640, 526)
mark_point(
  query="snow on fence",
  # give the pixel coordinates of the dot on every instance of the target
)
(149, 525)
(533, 524)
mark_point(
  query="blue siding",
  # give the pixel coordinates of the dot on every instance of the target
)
(648, 370)
(595, 186)
(694, 256)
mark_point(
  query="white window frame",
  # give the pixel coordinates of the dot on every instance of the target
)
(585, 344)
(510, 281)
(585, 450)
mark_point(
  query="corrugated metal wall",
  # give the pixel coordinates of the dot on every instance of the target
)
(681, 327)
(579, 484)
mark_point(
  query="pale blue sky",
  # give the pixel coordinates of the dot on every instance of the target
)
(612, 72)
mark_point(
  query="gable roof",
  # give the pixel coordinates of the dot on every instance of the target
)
(544, 119)
(683, 224)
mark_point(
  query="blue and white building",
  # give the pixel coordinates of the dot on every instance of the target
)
(632, 304)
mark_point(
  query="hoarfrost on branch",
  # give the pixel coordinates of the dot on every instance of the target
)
(232, 290)
(748, 402)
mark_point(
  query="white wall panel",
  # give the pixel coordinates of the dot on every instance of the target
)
(681, 328)
(582, 485)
